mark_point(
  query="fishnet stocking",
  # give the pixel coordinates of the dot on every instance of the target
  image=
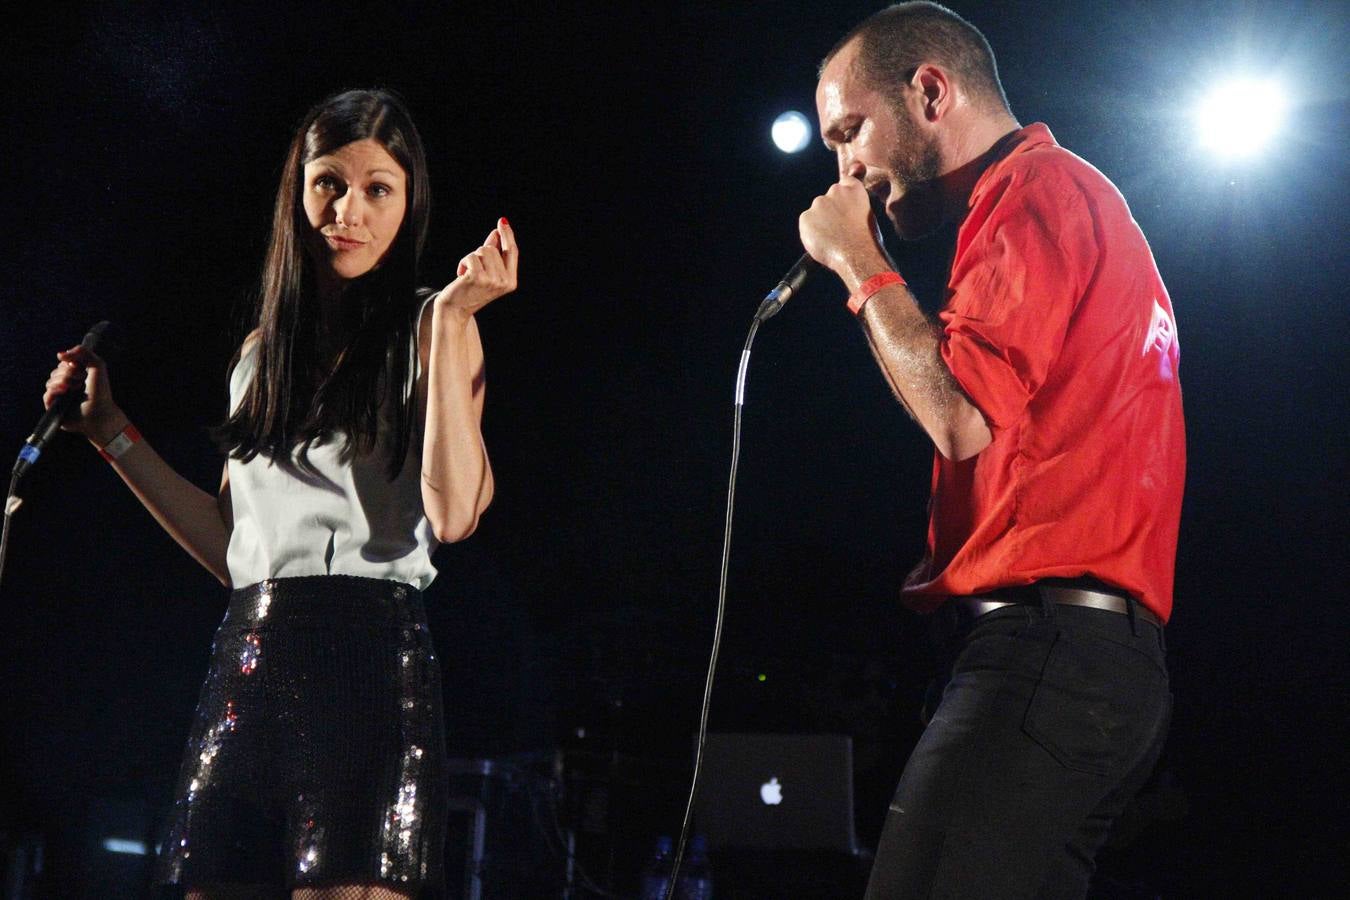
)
(349, 892)
(266, 892)
(233, 892)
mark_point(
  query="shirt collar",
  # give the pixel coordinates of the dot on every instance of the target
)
(1033, 135)
(1012, 144)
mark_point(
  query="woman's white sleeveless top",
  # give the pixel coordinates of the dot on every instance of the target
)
(347, 519)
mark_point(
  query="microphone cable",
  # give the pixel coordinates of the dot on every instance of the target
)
(770, 305)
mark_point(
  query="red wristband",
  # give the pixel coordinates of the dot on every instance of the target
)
(870, 287)
(120, 444)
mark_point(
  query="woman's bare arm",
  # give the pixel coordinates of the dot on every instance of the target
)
(199, 522)
(456, 477)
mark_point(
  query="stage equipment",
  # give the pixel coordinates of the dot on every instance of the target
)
(21, 872)
(506, 837)
(779, 791)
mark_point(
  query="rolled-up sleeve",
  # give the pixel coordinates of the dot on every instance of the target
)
(1016, 281)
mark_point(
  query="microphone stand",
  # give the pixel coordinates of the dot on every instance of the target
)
(12, 504)
(768, 307)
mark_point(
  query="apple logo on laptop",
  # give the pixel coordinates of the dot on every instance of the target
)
(771, 792)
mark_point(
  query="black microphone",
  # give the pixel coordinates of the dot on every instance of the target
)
(792, 283)
(51, 420)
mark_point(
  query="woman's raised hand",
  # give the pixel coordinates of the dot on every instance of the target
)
(485, 274)
(97, 417)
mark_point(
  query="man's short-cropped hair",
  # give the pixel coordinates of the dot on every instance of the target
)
(895, 41)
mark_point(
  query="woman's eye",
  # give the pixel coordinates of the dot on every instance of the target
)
(326, 183)
(380, 190)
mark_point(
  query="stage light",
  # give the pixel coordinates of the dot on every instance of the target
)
(1238, 119)
(791, 132)
(122, 845)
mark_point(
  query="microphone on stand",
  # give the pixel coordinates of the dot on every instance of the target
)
(50, 422)
(792, 283)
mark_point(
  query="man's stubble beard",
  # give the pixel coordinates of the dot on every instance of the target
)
(915, 168)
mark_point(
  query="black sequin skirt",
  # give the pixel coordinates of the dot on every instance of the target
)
(317, 755)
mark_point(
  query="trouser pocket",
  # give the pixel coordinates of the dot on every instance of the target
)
(1098, 703)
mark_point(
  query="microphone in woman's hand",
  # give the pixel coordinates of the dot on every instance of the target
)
(51, 419)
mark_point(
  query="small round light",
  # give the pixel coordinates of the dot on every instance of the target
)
(1240, 118)
(791, 132)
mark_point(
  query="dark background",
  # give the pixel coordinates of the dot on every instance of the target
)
(629, 146)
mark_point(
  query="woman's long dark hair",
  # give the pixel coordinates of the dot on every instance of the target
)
(297, 398)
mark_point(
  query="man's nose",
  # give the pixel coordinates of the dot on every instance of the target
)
(849, 167)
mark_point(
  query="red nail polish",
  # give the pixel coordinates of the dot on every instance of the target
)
(503, 221)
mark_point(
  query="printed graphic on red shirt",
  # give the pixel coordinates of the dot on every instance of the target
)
(1162, 335)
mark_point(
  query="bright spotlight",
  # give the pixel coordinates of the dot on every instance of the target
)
(1238, 119)
(791, 132)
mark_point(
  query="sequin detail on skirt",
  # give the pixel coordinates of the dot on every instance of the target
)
(317, 755)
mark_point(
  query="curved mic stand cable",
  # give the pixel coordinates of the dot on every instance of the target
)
(771, 305)
(12, 503)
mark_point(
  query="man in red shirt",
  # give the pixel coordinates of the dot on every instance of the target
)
(1049, 388)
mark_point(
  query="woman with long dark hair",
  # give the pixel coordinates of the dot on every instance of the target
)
(316, 760)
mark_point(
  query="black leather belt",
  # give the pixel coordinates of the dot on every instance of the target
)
(969, 608)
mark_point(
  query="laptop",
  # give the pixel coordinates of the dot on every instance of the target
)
(777, 792)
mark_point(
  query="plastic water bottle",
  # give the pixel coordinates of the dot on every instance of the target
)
(696, 881)
(656, 874)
